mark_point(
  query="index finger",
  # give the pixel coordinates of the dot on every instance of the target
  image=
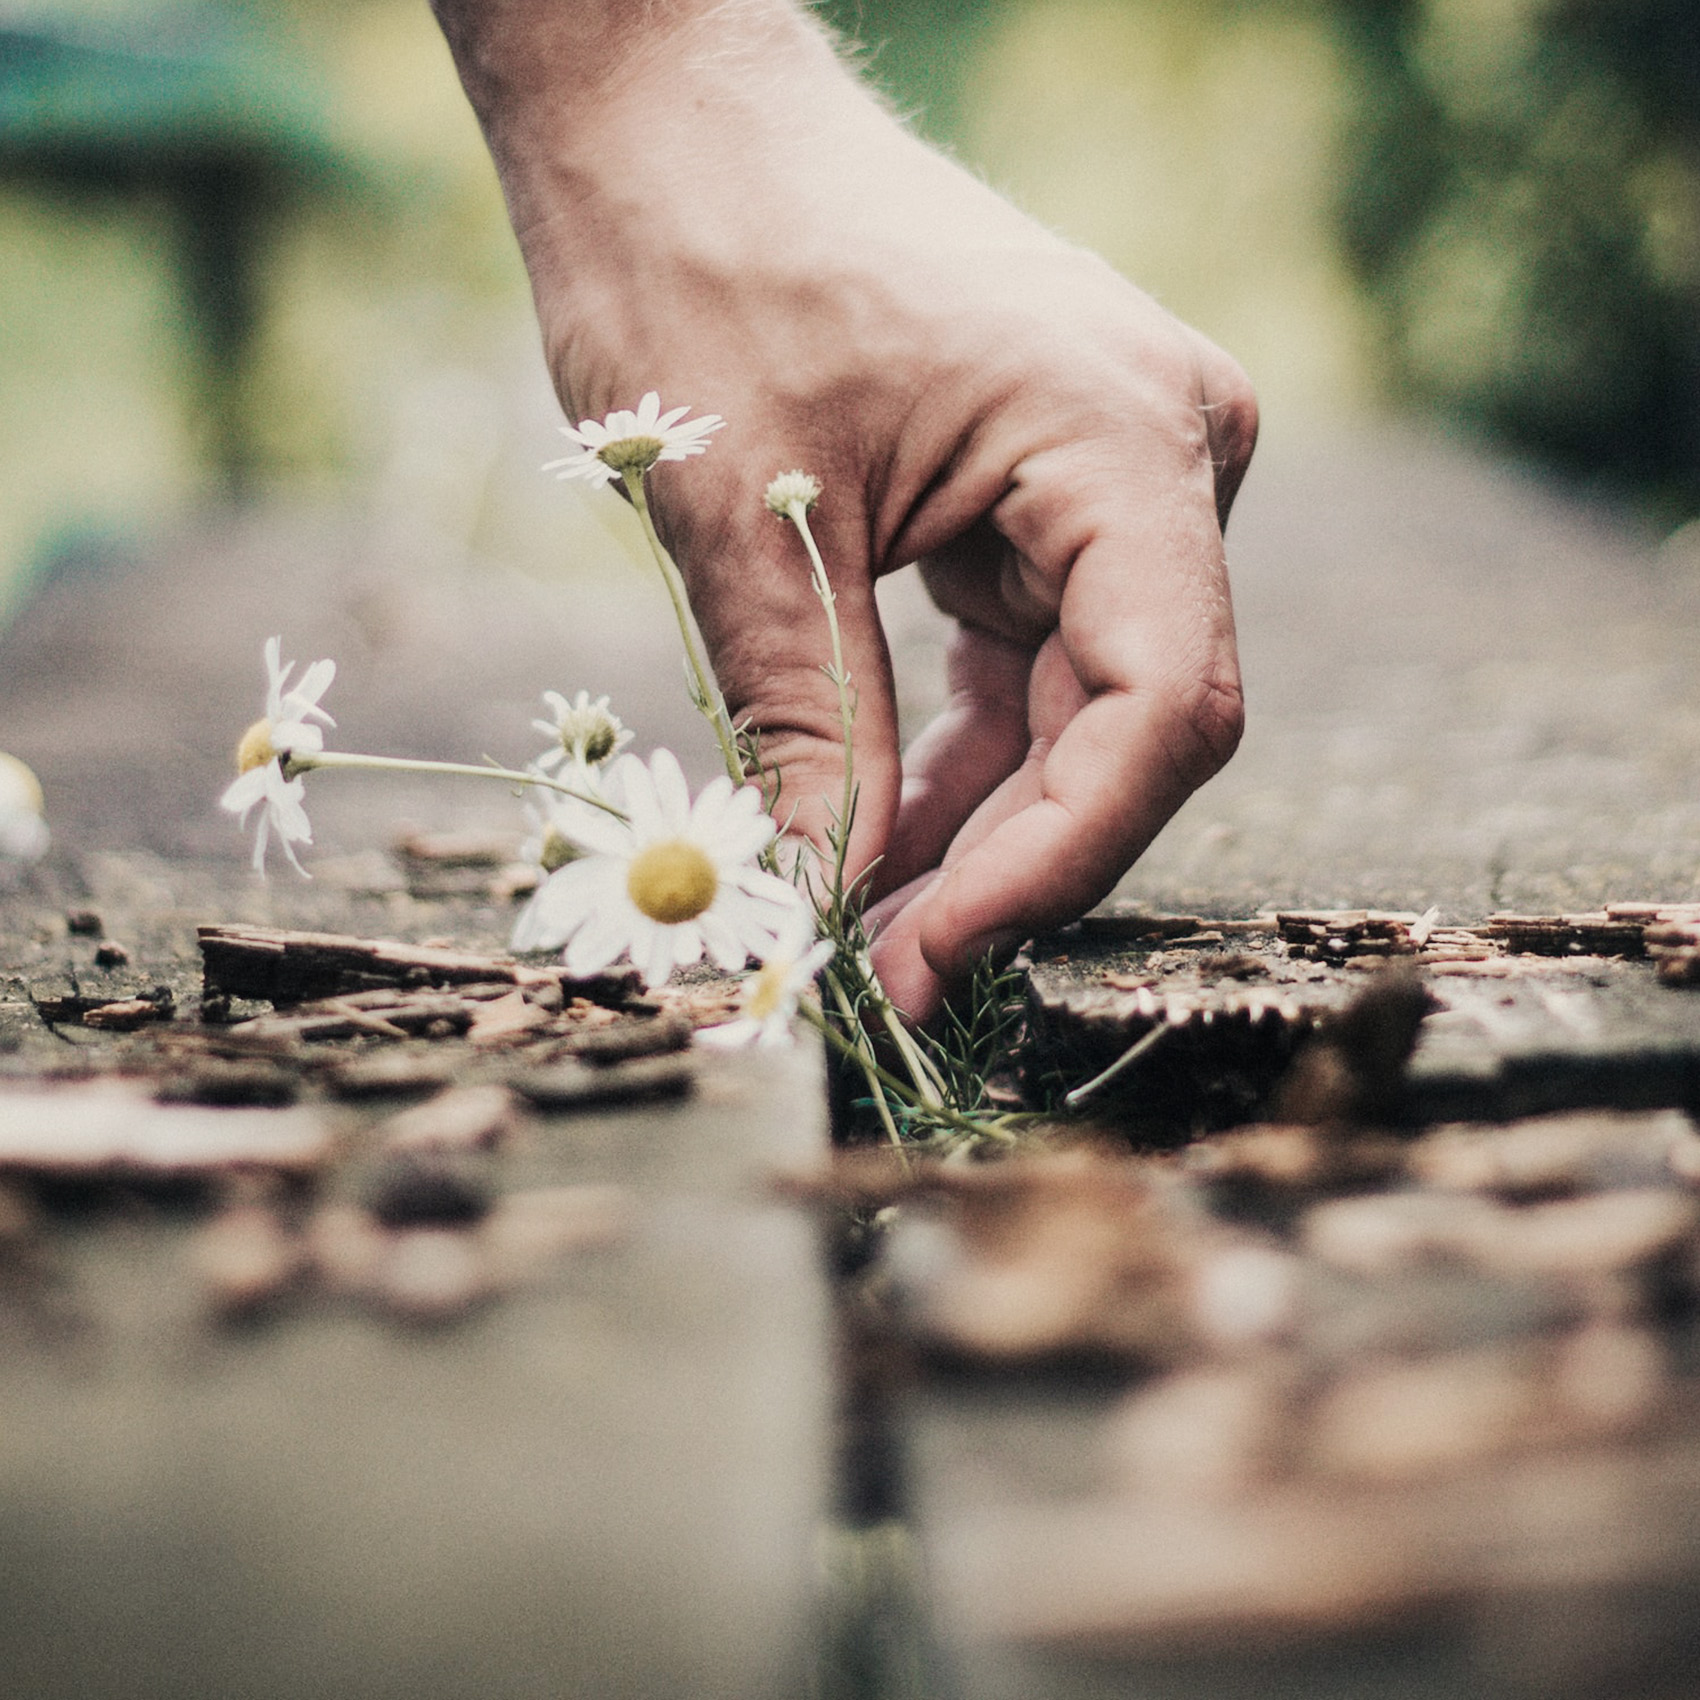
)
(1145, 628)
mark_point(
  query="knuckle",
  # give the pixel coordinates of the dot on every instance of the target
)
(1206, 721)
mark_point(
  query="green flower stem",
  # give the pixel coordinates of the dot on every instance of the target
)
(1144, 1043)
(798, 514)
(875, 1074)
(859, 1050)
(306, 761)
(709, 700)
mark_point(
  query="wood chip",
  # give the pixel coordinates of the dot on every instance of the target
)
(286, 967)
(505, 1019)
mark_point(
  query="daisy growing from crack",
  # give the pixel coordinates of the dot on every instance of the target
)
(23, 829)
(286, 727)
(586, 735)
(672, 881)
(770, 994)
(632, 442)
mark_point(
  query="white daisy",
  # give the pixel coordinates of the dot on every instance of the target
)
(588, 734)
(286, 726)
(667, 883)
(771, 993)
(23, 831)
(633, 442)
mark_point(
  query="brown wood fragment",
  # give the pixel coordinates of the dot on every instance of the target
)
(575, 1085)
(502, 1020)
(125, 1015)
(383, 1014)
(286, 967)
(1593, 934)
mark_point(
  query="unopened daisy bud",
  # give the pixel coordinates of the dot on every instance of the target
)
(792, 490)
(23, 831)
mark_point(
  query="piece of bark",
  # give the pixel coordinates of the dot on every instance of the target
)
(1593, 934)
(380, 1014)
(287, 967)
(608, 1042)
(503, 1020)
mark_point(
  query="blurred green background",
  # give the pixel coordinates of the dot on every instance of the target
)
(257, 252)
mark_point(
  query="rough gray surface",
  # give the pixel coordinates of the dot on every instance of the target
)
(606, 1481)
(1463, 692)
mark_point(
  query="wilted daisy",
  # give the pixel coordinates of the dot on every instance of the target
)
(770, 994)
(586, 734)
(23, 831)
(286, 726)
(633, 442)
(667, 883)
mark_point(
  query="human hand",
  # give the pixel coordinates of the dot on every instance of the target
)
(728, 218)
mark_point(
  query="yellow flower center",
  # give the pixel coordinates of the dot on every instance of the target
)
(765, 989)
(631, 454)
(672, 881)
(255, 750)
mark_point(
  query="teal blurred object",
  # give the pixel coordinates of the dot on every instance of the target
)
(196, 113)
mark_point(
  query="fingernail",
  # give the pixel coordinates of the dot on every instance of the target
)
(999, 946)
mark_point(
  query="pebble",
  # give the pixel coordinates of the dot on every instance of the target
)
(1377, 1233)
(396, 1069)
(85, 923)
(111, 954)
(1610, 1379)
(575, 1085)
(346, 1247)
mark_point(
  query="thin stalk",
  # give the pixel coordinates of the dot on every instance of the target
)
(798, 514)
(1146, 1042)
(710, 702)
(861, 1051)
(848, 1048)
(307, 760)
